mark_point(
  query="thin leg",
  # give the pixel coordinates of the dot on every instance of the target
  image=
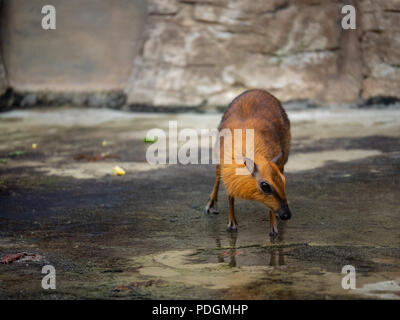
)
(232, 225)
(211, 206)
(273, 227)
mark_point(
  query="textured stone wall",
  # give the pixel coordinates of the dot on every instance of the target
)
(381, 48)
(92, 48)
(206, 52)
(190, 53)
(3, 79)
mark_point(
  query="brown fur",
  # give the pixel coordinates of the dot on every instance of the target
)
(258, 110)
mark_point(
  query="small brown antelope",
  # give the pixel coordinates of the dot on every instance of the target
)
(262, 112)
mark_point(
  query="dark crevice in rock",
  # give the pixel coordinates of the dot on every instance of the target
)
(281, 7)
(164, 15)
(142, 107)
(190, 2)
(117, 100)
(375, 31)
(381, 101)
(392, 10)
(16, 100)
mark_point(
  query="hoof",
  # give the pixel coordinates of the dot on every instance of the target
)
(273, 235)
(231, 226)
(211, 208)
(273, 232)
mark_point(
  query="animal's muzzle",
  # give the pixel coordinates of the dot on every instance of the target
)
(284, 212)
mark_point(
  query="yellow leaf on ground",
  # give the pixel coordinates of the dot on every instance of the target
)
(118, 171)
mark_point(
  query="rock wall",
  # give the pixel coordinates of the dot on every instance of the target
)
(191, 53)
(92, 48)
(381, 48)
(203, 52)
(3, 79)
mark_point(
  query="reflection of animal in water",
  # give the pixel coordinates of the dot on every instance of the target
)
(231, 252)
(262, 112)
(277, 256)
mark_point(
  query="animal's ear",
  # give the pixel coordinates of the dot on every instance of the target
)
(251, 166)
(276, 158)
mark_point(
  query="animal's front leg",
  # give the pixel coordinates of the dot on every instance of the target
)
(273, 226)
(232, 225)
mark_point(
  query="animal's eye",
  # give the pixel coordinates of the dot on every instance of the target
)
(265, 187)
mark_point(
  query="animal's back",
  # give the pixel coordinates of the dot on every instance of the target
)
(259, 110)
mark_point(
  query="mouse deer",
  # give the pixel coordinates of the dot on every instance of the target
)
(264, 180)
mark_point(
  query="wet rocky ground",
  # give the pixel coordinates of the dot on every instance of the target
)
(144, 235)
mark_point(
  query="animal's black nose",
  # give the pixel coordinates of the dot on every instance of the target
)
(284, 212)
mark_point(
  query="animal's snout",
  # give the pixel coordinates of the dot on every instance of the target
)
(284, 212)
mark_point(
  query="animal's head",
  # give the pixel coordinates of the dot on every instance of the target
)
(270, 185)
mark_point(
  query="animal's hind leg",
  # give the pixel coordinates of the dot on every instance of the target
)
(232, 224)
(211, 206)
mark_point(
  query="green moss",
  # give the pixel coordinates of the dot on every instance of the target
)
(15, 154)
(148, 140)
